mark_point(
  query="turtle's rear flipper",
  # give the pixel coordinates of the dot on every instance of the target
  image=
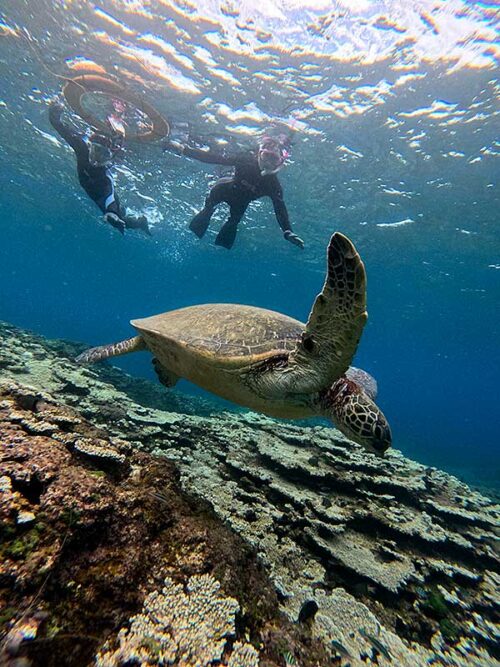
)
(166, 377)
(113, 350)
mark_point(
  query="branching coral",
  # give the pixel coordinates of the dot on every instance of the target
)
(181, 628)
(244, 655)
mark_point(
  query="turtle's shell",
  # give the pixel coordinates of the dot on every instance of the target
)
(225, 334)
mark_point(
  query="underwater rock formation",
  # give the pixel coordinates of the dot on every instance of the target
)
(93, 534)
(384, 561)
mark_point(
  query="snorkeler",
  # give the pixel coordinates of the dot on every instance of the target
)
(95, 156)
(254, 177)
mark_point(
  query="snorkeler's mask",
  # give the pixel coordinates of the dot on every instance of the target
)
(271, 155)
(102, 150)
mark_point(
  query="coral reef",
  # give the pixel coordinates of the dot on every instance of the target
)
(176, 627)
(88, 534)
(383, 561)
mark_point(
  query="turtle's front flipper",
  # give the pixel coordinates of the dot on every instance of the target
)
(166, 377)
(336, 321)
(113, 350)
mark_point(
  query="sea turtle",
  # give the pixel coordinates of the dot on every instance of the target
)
(272, 363)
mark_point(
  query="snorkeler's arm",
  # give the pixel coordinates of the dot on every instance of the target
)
(279, 208)
(74, 139)
(210, 157)
(281, 213)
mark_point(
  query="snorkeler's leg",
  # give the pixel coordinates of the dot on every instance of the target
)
(219, 193)
(108, 202)
(227, 233)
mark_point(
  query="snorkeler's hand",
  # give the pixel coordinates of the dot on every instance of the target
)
(174, 147)
(55, 108)
(293, 238)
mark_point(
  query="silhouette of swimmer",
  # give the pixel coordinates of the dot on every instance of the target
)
(94, 157)
(254, 177)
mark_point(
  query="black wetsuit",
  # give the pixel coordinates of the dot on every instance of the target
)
(97, 182)
(238, 191)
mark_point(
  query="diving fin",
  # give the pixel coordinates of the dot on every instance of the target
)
(227, 235)
(199, 224)
(138, 222)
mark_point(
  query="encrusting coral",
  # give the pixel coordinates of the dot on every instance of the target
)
(183, 628)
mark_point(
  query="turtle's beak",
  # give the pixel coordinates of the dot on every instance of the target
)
(383, 439)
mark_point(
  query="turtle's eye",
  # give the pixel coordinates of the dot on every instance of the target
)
(308, 343)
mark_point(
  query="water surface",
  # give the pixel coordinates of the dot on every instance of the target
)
(393, 108)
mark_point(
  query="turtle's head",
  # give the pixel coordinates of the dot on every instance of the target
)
(356, 415)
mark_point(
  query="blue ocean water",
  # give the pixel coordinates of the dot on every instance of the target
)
(394, 112)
